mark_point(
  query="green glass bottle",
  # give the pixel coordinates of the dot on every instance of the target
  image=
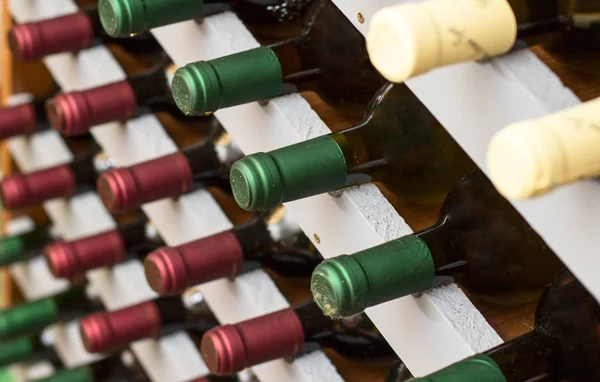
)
(32, 317)
(329, 58)
(123, 18)
(564, 345)
(480, 241)
(398, 143)
(28, 349)
(26, 245)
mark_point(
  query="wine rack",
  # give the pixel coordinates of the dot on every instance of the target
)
(193, 216)
(474, 101)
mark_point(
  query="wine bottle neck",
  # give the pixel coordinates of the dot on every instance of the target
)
(203, 160)
(149, 85)
(314, 323)
(254, 239)
(527, 357)
(440, 246)
(94, 16)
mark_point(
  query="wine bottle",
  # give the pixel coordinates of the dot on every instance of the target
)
(124, 189)
(480, 240)
(113, 369)
(28, 349)
(398, 373)
(26, 245)
(109, 331)
(398, 143)
(227, 378)
(80, 30)
(25, 118)
(25, 190)
(29, 318)
(565, 342)
(329, 57)
(74, 113)
(410, 39)
(289, 332)
(269, 241)
(130, 240)
(123, 18)
(532, 157)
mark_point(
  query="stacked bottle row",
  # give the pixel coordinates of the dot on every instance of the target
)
(478, 241)
(525, 159)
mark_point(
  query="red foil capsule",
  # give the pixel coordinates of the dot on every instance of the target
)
(125, 189)
(32, 41)
(76, 112)
(17, 120)
(67, 259)
(25, 190)
(171, 270)
(228, 349)
(103, 332)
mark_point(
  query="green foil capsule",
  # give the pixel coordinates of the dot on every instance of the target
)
(207, 86)
(79, 374)
(11, 250)
(28, 318)
(348, 284)
(478, 368)
(123, 18)
(16, 351)
(264, 180)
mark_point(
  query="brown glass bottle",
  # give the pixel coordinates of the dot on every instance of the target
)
(329, 58)
(540, 21)
(564, 345)
(480, 240)
(399, 143)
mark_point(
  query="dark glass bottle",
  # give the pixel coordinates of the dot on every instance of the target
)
(564, 345)
(480, 240)
(26, 245)
(225, 378)
(127, 17)
(265, 241)
(75, 113)
(80, 30)
(25, 190)
(112, 369)
(108, 331)
(410, 39)
(26, 118)
(125, 189)
(28, 349)
(128, 241)
(541, 22)
(399, 143)
(398, 373)
(290, 332)
(29, 318)
(329, 57)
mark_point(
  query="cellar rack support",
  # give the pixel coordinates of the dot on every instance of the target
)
(192, 216)
(475, 100)
(428, 333)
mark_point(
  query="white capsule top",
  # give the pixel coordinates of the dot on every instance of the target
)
(532, 157)
(412, 38)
